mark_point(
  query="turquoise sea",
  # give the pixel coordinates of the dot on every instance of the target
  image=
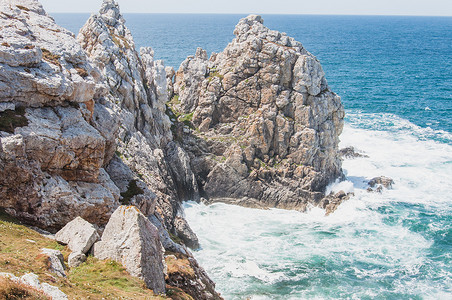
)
(394, 75)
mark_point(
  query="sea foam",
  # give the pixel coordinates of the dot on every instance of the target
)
(385, 244)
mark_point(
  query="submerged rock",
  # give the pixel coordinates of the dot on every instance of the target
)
(350, 152)
(131, 239)
(267, 124)
(377, 184)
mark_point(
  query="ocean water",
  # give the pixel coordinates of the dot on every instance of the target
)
(394, 75)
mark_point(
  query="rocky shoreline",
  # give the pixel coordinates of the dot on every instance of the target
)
(92, 128)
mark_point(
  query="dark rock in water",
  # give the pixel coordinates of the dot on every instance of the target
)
(381, 180)
(378, 183)
(331, 202)
(185, 233)
(350, 152)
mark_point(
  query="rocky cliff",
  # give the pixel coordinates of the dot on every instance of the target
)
(87, 125)
(261, 124)
(79, 138)
(52, 156)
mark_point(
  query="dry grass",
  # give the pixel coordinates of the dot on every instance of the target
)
(179, 265)
(82, 72)
(11, 290)
(20, 253)
(50, 57)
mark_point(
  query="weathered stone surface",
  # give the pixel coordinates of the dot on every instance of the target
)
(56, 261)
(137, 88)
(350, 152)
(40, 62)
(377, 184)
(78, 234)
(32, 280)
(51, 155)
(185, 273)
(132, 240)
(75, 259)
(63, 143)
(184, 231)
(267, 122)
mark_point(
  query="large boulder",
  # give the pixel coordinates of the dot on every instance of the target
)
(79, 235)
(131, 239)
(267, 124)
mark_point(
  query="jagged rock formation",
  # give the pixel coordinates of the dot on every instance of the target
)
(267, 124)
(51, 154)
(78, 138)
(131, 239)
(137, 94)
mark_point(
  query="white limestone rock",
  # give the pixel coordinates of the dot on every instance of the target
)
(75, 259)
(40, 61)
(78, 234)
(131, 239)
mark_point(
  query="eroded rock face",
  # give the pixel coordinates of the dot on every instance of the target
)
(53, 142)
(40, 63)
(131, 239)
(267, 122)
(137, 87)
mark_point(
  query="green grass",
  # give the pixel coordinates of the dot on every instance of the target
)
(20, 253)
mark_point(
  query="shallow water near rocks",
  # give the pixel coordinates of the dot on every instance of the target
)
(394, 75)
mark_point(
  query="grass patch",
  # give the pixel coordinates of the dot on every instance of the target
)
(11, 290)
(132, 190)
(50, 57)
(20, 253)
(214, 74)
(11, 119)
(178, 263)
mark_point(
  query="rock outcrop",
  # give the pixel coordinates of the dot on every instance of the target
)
(131, 239)
(51, 154)
(377, 184)
(137, 94)
(258, 120)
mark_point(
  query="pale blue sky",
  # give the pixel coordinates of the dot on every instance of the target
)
(349, 7)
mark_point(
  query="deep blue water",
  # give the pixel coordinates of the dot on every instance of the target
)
(377, 64)
(394, 75)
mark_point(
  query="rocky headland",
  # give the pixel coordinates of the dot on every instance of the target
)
(100, 138)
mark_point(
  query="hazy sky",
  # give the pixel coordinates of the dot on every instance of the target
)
(353, 7)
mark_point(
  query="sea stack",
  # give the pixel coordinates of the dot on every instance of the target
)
(264, 124)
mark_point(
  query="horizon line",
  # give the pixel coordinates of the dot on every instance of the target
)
(277, 14)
